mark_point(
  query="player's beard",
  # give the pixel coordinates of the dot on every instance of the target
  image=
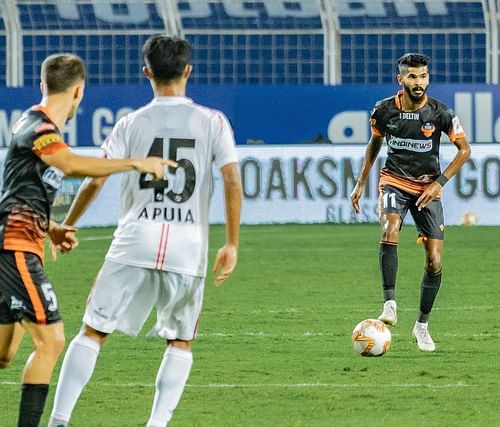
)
(416, 99)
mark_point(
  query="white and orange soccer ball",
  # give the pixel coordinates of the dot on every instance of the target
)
(371, 337)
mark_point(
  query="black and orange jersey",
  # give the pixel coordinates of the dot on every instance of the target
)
(29, 184)
(413, 140)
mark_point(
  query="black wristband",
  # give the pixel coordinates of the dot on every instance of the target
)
(442, 180)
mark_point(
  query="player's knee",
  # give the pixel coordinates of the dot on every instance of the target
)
(58, 345)
(391, 225)
(94, 334)
(52, 347)
(5, 361)
(391, 234)
(433, 263)
(184, 345)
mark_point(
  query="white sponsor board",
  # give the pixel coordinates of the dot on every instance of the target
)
(312, 184)
(308, 184)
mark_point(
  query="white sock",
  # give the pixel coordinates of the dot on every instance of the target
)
(77, 368)
(170, 381)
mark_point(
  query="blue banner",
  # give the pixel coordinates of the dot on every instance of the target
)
(266, 114)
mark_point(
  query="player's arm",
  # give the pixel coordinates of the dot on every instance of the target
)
(371, 153)
(434, 189)
(88, 191)
(227, 256)
(462, 155)
(73, 165)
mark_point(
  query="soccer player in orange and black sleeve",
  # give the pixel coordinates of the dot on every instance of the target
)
(411, 180)
(36, 162)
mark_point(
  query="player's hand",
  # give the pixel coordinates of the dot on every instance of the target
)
(153, 165)
(62, 239)
(433, 191)
(355, 196)
(225, 261)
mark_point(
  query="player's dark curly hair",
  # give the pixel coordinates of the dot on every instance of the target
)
(412, 60)
(166, 57)
(61, 71)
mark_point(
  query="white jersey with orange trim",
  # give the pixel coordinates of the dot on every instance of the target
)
(163, 224)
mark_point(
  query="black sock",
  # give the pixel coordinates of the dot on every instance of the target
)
(388, 258)
(428, 292)
(32, 402)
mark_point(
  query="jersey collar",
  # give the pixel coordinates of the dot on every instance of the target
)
(45, 111)
(172, 100)
(399, 103)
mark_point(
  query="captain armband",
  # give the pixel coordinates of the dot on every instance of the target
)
(442, 180)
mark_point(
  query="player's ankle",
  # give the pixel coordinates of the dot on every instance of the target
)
(56, 422)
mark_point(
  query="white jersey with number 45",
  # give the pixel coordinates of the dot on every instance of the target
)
(163, 224)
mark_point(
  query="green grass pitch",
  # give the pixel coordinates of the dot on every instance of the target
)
(274, 346)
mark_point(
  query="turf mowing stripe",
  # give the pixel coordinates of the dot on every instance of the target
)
(300, 385)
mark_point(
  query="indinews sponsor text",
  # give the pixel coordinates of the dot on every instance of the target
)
(417, 145)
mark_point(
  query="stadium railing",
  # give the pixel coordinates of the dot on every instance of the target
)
(256, 42)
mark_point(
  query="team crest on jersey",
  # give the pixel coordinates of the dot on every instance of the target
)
(428, 129)
(45, 140)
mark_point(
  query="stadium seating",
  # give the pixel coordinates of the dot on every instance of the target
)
(271, 42)
(3, 54)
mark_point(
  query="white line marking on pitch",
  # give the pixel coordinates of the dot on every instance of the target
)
(322, 334)
(91, 238)
(365, 310)
(300, 385)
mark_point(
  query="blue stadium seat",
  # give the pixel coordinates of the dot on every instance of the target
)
(260, 47)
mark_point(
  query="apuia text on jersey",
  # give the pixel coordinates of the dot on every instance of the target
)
(167, 214)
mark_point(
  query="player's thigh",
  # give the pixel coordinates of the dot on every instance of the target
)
(122, 298)
(430, 220)
(179, 306)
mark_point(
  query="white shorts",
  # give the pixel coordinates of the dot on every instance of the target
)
(123, 297)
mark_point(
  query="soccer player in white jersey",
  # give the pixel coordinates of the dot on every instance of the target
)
(158, 256)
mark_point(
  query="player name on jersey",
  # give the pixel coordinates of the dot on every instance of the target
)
(409, 116)
(168, 214)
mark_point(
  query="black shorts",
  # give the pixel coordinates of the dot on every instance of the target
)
(25, 290)
(429, 221)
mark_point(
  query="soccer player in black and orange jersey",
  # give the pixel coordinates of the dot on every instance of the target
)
(36, 162)
(411, 180)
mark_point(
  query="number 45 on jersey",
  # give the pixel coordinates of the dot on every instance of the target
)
(159, 187)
